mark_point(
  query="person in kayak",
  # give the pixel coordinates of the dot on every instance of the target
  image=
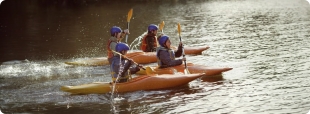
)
(116, 36)
(149, 41)
(165, 55)
(121, 67)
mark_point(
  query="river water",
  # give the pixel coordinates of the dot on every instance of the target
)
(265, 41)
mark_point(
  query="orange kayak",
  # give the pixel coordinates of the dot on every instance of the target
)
(208, 71)
(138, 83)
(150, 57)
(139, 57)
(193, 50)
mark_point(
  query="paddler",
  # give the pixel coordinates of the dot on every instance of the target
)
(165, 55)
(149, 41)
(122, 68)
(116, 36)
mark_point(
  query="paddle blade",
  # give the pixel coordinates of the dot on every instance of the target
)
(129, 15)
(149, 71)
(161, 26)
(186, 71)
(179, 29)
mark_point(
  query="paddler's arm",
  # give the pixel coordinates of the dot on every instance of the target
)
(178, 53)
(126, 67)
(134, 69)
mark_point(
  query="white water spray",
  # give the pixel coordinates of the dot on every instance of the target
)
(121, 68)
(137, 42)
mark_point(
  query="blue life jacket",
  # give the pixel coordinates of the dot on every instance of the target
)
(171, 53)
(119, 63)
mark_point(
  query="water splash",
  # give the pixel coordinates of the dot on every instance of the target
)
(137, 42)
(116, 99)
(119, 75)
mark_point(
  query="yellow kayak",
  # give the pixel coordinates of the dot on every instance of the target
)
(138, 83)
(139, 57)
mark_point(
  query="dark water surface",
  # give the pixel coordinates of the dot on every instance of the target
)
(265, 41)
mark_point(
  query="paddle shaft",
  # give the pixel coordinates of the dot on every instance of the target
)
(127, 58)
(127, 34)
(183, 52)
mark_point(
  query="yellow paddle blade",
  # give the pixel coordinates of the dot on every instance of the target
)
(149, 71)
(186, 71)
(129, 15)
(161, 26)
(179, 28)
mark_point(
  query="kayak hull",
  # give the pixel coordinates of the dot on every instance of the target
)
(193, 50)
(139, 57)
(138, 83)
(150, 57)
(208, 71)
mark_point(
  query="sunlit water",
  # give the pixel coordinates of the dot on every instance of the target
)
(266, 42)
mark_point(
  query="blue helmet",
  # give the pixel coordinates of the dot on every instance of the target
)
(114, 30)
(121, 47)
(162, 40)
(152, 27)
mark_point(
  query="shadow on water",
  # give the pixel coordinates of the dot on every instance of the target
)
(66, 28)
(214, 78)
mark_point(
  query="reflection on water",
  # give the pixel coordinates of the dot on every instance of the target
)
(52, 30)
(266, 42)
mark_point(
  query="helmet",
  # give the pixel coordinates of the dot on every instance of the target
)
(114, 30)
(162, 40)
(152, 27)
(121, 47)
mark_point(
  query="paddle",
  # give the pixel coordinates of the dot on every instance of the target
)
(161, 27)
(128, 21)
(179, 30)
(147, 69)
